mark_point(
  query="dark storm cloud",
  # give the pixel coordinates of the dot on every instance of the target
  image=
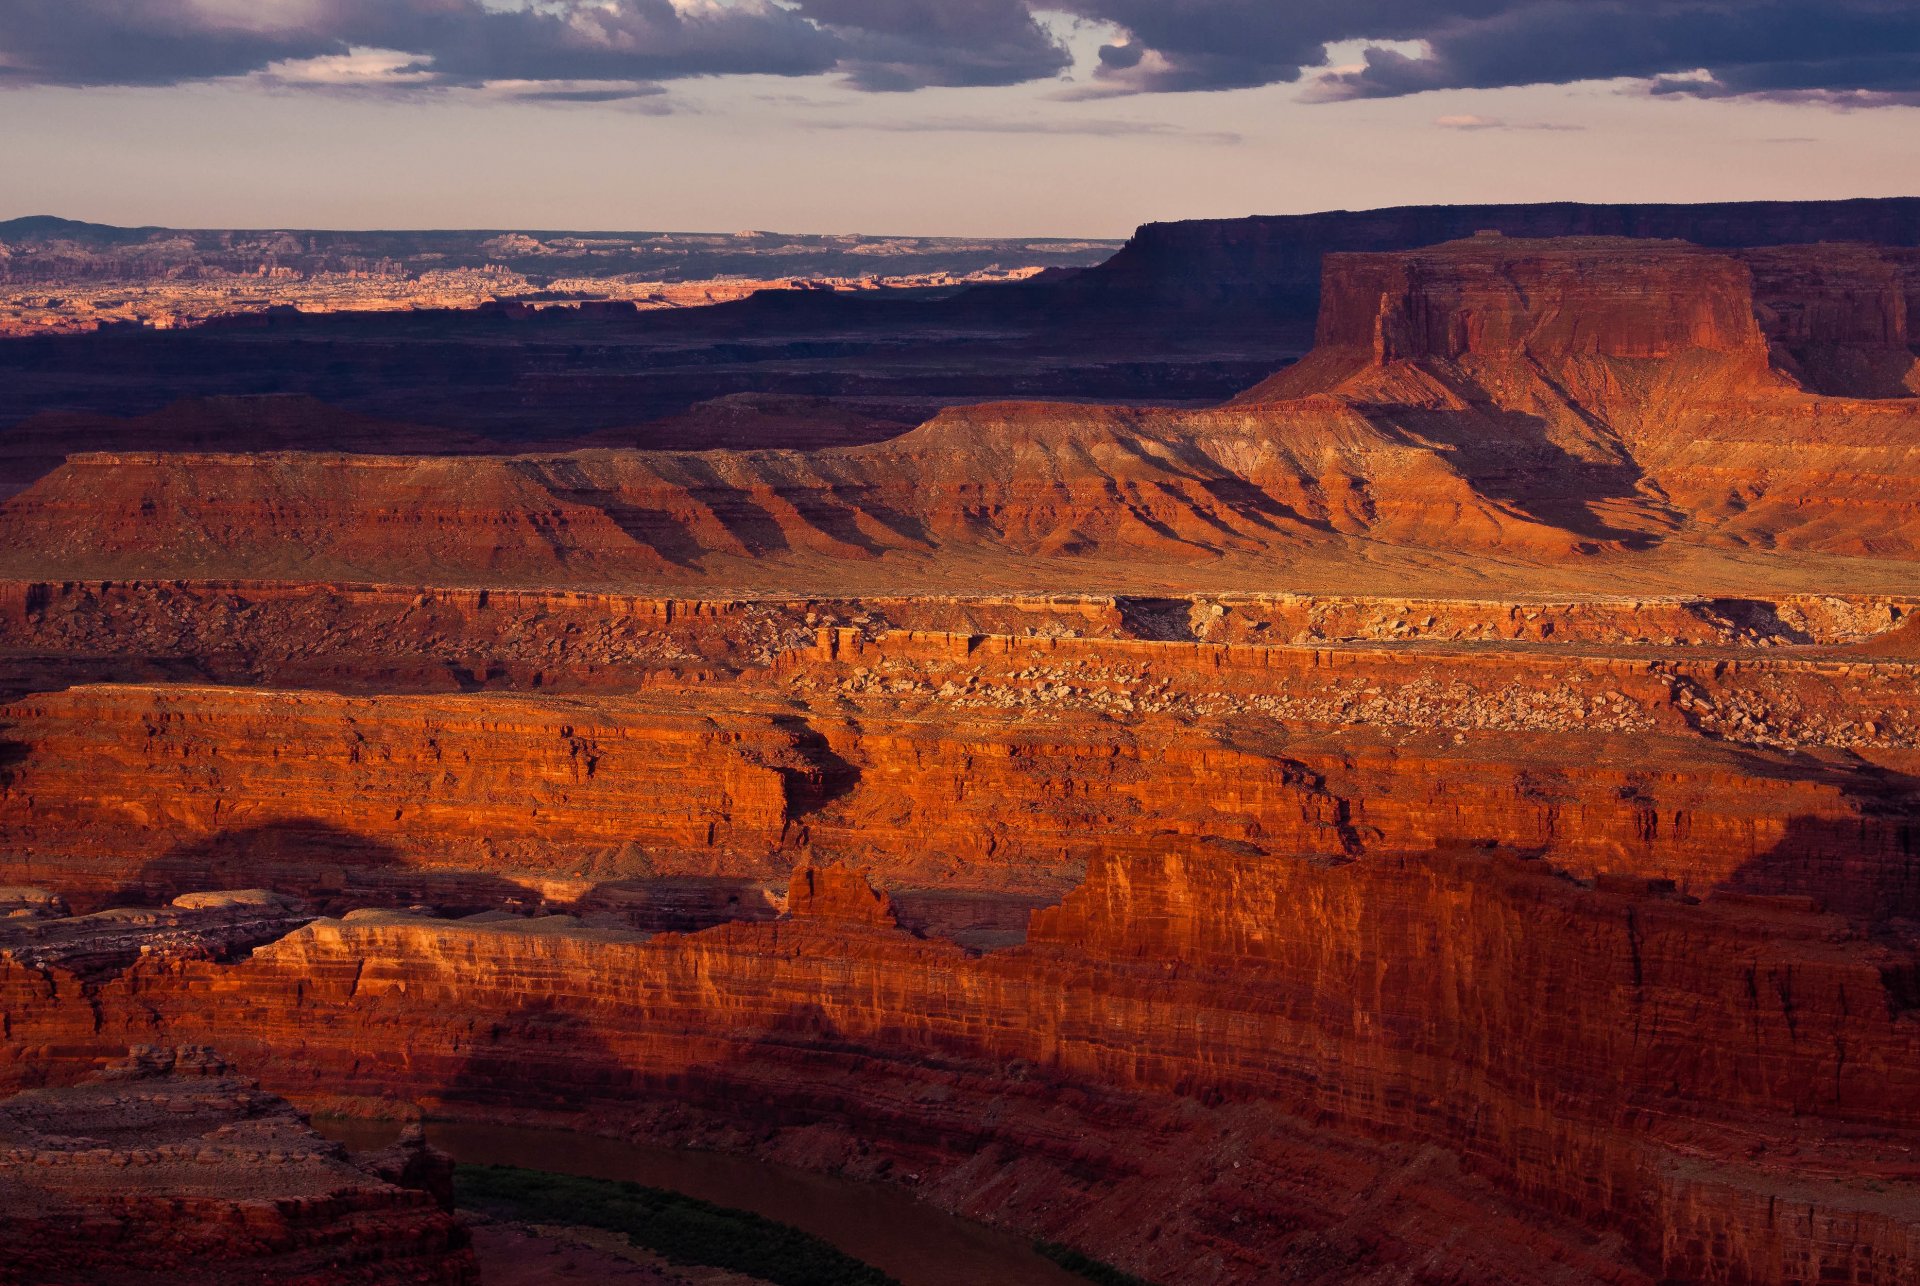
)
(623, 40)
(98, 42)
(908, 44)
(1747, 47)
(1849, 52)
(1859, 51)
(461, 42)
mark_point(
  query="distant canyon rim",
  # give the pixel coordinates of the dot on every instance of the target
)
(1367, 747)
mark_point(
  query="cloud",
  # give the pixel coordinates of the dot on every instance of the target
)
(1846, 52)
(1849, 53)
(908, 44)
(1467, 122)
(1031, 125)
(1839, 53)
(447, 44)
(357, 69)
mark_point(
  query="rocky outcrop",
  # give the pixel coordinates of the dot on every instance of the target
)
(210, 925)
(168, 1165)
(1012, 481)
(1554, 301)
(391, 638)
(1614, 388)
(282, 790)
(837, 893)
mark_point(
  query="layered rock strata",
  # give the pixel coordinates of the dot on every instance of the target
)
(1129, 898)
(378, 638)
(168, 1166)
(1267, 268)
(984, 765)
(1546, 401)
(1839, 318)
(1724, 1084)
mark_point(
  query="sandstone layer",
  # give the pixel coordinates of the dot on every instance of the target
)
(167, 1166)
(1238, 888)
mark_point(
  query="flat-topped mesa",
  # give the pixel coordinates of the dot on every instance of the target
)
(1599, 296)
(1264, 272)
(1625, 390)
(1493, 298)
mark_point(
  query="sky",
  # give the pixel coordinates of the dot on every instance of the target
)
(935, 117)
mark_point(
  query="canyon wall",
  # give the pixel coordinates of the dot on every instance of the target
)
(1489, 297)
(1839, 318)
(991, 765)
(1167, 1005)
(1621, 390)
(992, 811)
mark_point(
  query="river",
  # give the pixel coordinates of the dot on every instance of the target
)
(907, 1239)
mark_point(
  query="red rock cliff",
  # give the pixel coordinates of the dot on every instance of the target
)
(1679, 1072)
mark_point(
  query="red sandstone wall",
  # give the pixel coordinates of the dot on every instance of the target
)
(1584, 1047)
(996, 766)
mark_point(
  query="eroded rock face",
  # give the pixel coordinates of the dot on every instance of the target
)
(216, 925)
(1033, 914)
(838, 894)
(1838, 317)
(1178, 994)
(1621, 390)
(1493, 296)
(1549, 400)
(980, 765)
(385, 638)
(167, 1164)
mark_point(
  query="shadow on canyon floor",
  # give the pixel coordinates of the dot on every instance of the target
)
(332, 868)
(335, 870)
(1512, 458)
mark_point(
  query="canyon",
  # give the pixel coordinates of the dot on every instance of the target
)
(65, 276)
(1447, 812)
